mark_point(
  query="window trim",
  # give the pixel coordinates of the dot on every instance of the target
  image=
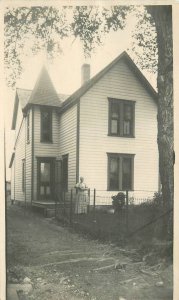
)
(28, 127)
(65, 156)
(49, 110)
(121, 103)
(120, 156)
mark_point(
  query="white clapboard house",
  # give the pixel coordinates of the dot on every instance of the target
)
(106, 132)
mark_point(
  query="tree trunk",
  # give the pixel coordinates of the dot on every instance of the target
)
(162, 16)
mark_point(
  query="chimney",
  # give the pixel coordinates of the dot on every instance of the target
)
(85, 73)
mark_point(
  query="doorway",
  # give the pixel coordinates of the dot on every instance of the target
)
(45, 178)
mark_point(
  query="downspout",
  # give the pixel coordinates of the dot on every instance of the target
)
(32, 158)
(78, 141)
(25, 161)
(14, 175)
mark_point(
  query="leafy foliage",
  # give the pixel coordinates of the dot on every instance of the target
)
(32, 29)
(145, 41)
(118, 202)
(29, 30)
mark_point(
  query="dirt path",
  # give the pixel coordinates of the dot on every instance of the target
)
(61, 265)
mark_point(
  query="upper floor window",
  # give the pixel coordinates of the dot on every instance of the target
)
(120, 171)
(46, 125)
(28, 127)
(121, 117)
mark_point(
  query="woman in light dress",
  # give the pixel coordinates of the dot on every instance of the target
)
(81, 197)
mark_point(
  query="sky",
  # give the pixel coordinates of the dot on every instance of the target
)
(65, 70)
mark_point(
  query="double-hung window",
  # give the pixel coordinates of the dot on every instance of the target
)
(121, 117)
(46, 125)
(120, 171)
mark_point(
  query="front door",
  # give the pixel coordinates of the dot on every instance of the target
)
(45, 178)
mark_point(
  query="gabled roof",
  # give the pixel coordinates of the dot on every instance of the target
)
(44, 92)
(84, 88)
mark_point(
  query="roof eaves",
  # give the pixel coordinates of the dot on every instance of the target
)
(23, 98)
(83, 89)
(141, 77)
(12, 159)
(15, 110)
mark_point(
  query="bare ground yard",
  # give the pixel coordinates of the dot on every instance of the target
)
(60, 264)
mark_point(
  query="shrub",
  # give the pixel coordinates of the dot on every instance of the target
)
(158, 199)
(118, 202)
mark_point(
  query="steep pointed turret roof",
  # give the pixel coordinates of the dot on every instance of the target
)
(44, 92)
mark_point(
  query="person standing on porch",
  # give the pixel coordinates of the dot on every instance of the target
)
(81, 197)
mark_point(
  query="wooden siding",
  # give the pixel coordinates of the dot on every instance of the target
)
(44, 149)
(28, 151)
(19, 156)
(22, 151)
(67, 141)
(12, 181)
(118, 83)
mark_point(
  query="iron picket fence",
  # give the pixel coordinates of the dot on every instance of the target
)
(94, 211)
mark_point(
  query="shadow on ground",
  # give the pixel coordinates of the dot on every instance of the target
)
(59, 264)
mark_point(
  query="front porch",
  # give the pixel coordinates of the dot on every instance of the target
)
(46, 206)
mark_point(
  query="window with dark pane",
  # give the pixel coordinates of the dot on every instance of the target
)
(46, 125)
(45, 171)
(115, 118)
(45, 178)
(121, 118)
(126, 173)
(120, 171)
(114, 173)
(128, 119)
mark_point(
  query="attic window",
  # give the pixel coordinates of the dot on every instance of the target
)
(46, 125)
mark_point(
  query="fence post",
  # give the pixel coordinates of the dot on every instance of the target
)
(127, 211)
(64, 204)
(55, 206)
(71, 204)
(94, 205)
(88, 210)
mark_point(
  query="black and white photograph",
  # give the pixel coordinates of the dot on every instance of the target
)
(89, 150)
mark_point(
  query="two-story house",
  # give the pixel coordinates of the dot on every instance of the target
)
(106, 132)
